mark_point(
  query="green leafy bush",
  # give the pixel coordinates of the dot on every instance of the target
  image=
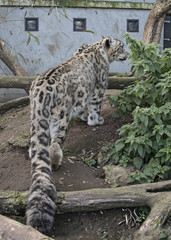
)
(146, 142)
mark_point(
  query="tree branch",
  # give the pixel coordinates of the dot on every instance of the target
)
(10, 61)
(155, 20)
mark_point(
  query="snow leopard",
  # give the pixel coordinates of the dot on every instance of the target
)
(75, 88)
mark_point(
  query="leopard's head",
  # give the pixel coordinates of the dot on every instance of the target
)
(115, 49)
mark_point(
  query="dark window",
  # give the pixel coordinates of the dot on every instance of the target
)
(132, 25)
(167, 32)
(79, 24)
(31, 24)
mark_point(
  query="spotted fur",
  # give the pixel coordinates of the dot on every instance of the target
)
(74, 88)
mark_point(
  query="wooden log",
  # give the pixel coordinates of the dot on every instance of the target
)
(121, 82)
(10, 229)
(25, 82)
(13, 104)
(152, 227)
(155, 195)
(14, 202)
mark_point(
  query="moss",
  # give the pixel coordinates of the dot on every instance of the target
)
(4, 147)
(80, 4)
(22, 140)
(15, 202)
(19, 198)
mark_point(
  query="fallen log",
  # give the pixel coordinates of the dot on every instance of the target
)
(121, 82)
(155, 195)
(23, 82)
(10, 229)
(4, 107)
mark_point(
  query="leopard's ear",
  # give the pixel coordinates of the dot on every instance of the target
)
(107, 43)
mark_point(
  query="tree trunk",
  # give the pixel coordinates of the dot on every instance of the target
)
(155, 195)
(10, 61)
(10, 229)
(155, 20)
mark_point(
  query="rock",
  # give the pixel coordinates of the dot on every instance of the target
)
(116, 174)
(100, 158)
(22, 140)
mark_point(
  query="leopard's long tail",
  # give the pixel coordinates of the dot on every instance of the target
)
(41, 202)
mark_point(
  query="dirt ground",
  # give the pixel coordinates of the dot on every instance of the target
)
(83, 142)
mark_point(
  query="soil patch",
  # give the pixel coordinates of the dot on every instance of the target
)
(83, 142)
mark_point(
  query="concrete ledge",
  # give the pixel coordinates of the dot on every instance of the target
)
(77, 4)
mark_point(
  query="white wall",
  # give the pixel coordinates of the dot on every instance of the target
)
(57, 39)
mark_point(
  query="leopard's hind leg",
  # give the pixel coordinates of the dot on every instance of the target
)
(94, 105)
(83, 115)
(58, 130)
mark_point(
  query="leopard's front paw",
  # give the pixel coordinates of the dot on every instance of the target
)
(101, 121)
(94, 120)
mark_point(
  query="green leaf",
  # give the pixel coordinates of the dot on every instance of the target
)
(131, 179)
(138, 162)
(115, 185)
(119, 145)
(4, 147)
(91, 162)
(65, 14)
(163, 235)
(146, 121)
(89, 31)
(158, 119)
(37, 40)
(135, 146)
(57, 14)
(141, 151)
(28, 40)
(25, 14)
(129, 238)
(23, 58)
(159, 154)
(50, 10)
(140, 93)
(137, 100)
